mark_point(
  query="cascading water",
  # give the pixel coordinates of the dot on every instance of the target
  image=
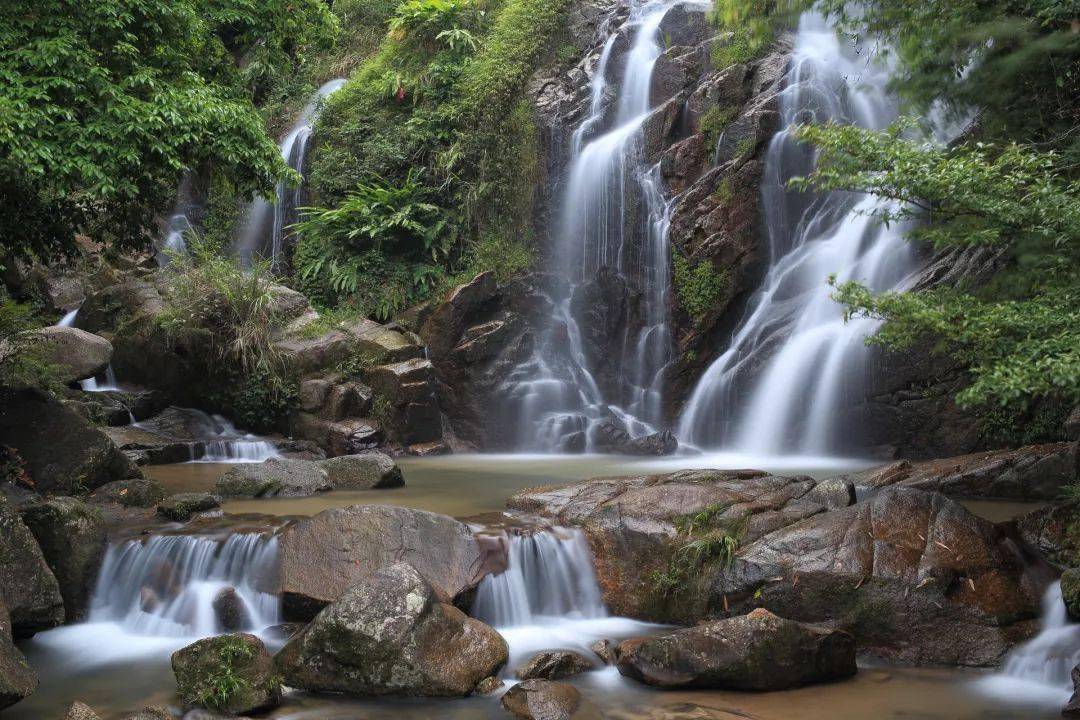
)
(264, 229)
(167, 585)
(69, 318)
(179, 225)
(105, 384)
(612, 247)
(224, 443)
(794, 364)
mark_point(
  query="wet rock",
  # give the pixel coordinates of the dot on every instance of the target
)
(411, 408)
(1072, 708)
(64, 453)
(685, 25)
(72, 538)
(605, 306)
(299, 450)
(489, 686)
(363, 472)
(230, 610)
(181, 506)
(392, 634)
(661, 443)
(344, 437)
(1054, 531)
(255, 683)
(28, 588)
(380, 343)
(1070, 592)
(76, 353)
(81, 711)
(553, 665)
(759, 651)
(605, 650)
(131, 300)
(445, 323)
(335, 398)
(542, 700)
(574, 443)
(17, 678)
(308, 355)
(1034, 472)
(277, 477)
(137, 492)
(151, 712)
(321, 556)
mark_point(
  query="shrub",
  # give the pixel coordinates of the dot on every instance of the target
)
(698, 287)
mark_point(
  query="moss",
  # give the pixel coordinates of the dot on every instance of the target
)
(714, 121)
(698, 287)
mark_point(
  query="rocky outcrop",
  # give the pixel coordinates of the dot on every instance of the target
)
(230, 610)
(1070, 592)
(182, 506)
(17, 678)
(137, 492)
(322, 556)
(72, 538)
(545, 700)
(1034, 472)
(409, 410)
(64, 453)
(363, 472)
(758, 651)
(229, 673)
(81, 711)
(392, 633)
(1072, 708)
(277, 477)
(1054, 531)
(28, 588)
(553, 665)
(75, 353)
(343, 437)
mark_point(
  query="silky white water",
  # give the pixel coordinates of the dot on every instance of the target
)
(793, 364)
(611, 242)
(264, 229)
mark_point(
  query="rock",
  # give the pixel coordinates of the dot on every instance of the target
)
(137, 492)
(1072, 708)
(130, 301)
(181, 506)
(410, 411)
(759, 651)
(232, 614)
(1034, 472)
(28, 588)
(1054, 531)
(152, 712)
(661, 443)
(489, 686)
(542, 700)
(64, 453)
(1072, 424)
(321, 556)
(345, 437)
(308, 355)
(333, 398)
(287, 304)
(553, 665)
(392, 633)
(276, 477)
(76, 353)
(145, 447)
(445, 323)
(1070, 592)
(605, 650)
(17, 678)
(299, 450)
(380, 343)
(81, 711)
(363, 472)
(242, 659)
(72, 538)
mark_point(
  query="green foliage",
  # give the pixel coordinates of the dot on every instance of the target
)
(749, 27)
(23, 362)
(216, 689)
(104, 104)
(262, 399)
(713, 123)
(712, 538)
(1019, 335)
(698, 287)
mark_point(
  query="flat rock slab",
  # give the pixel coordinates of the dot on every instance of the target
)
(277, 477)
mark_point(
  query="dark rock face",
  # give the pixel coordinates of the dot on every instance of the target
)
(392, 634)
(274, 478)
(363, 472)
(64, 453)
(1035, 472)
(181, 506)
(344, 437)
(77, 353)
(28, 587)
(1054, 531)
(232, 614)
(605, 307)
(137, 492)
(1070, 592)
(17, 678)
(1072, 708)
(322, 556)
(72, 538)
(242, 658)
(758, 651)
(543, 700)
(553, 665)
(408, 390)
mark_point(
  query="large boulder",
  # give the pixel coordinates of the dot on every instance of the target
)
(341, 437)
(137, 492)
(1054, 530)
(229, 673)
(126, 301)
(65, 454)
(758, 651)
(322, 556)
(363, 472)
(392, 634)
(17, 678)
(543, 700)
(405, 401)
(553, 665)
(277, 477)
(379, 343)
(334, 397)
(1034, 472)
(81, 711)
(181, 506)
(72, 538)
(76, 353)
(28, 587)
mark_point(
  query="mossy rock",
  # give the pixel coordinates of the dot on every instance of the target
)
(182, 506)
(137, 492)
(1070, 592)
(228, 673)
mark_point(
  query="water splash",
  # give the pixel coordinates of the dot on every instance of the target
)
(264, 229)
(794, 364)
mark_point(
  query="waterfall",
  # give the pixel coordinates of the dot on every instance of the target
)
(1040, 669)
(106, 384)
(611, 244)
(217, 439)
(793, 364)
(167, 585)
(69, 318)
(549, 574)
(264, 229)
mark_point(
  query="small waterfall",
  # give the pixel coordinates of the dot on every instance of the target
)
(69, 318)
(793, 365)
(167, 585)
(105, 384)
(549, 575)
(218, 439)
(188, 206)
(264, 230)
(612, 245)
(1041, 668)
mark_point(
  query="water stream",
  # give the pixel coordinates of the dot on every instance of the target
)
(794, 366)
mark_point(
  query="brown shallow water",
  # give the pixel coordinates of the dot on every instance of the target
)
(116, 672)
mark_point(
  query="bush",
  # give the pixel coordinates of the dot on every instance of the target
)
(698, 287)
